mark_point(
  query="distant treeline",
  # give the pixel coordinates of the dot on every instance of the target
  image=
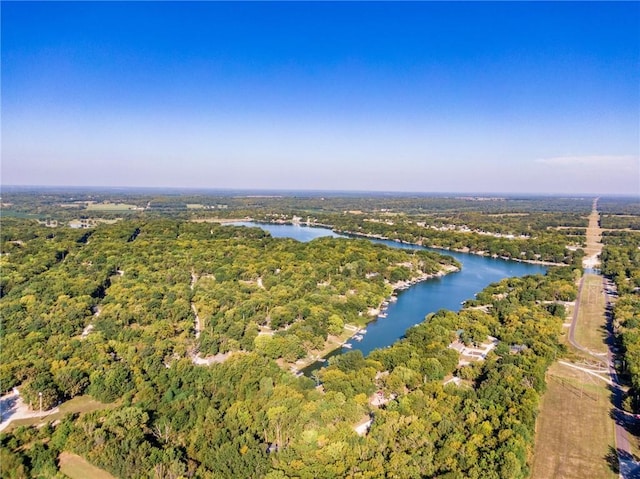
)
(47, 201)
(621, 263)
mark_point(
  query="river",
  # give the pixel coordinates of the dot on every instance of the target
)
(413, 304)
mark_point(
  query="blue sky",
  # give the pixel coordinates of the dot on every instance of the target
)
(538, 97)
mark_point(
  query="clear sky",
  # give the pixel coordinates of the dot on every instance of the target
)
(539, 97)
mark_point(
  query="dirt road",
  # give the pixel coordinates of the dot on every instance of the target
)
(594, 236)
(628, 466)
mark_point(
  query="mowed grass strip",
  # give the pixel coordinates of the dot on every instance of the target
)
(110, 207)
(591, 330)
(574, 432)
(79, 404)
(594, 236)
(77, 467)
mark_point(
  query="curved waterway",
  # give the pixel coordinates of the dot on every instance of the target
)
(413, 304)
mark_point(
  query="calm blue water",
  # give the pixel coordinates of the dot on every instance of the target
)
(415, 303)
(297, 232)
(447, 292)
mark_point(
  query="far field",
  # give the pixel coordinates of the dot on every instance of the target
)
(590, 331)
(574, 431)
(110, 207)
(77, 468)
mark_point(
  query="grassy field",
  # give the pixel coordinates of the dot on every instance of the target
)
(110, 207)
(574, 432)
(77, 468)
(79, 404)
(590, 330)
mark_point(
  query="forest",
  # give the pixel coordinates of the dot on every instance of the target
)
(621, 263)
(135, 286)
(110, 312)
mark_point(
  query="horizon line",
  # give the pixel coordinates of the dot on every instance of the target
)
(314, 190)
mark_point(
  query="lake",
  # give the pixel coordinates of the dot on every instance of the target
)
(413, 304)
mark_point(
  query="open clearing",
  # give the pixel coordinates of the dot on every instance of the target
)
(79, 404)
(76, 467)
(110, 207)
(574, 433)
(591, 330)
(594, 236)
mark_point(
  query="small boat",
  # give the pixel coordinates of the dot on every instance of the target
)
(382, 315)
(347, 345)
(358, 337)
(363, 331)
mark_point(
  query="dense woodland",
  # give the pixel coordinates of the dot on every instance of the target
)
(137, 284)
(621, 263)
(271, 301)
(548, 246)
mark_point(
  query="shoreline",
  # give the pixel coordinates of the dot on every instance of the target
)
(456, 250)
(331, 346)
(396, 287)
(219, 220)
(396, 240)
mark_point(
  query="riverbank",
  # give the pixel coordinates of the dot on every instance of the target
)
(219, 220)
(333, 343)
(311, 224)
(356, 234)
(350, 332)
(412, 305)
(444, 248)
(402, 285)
